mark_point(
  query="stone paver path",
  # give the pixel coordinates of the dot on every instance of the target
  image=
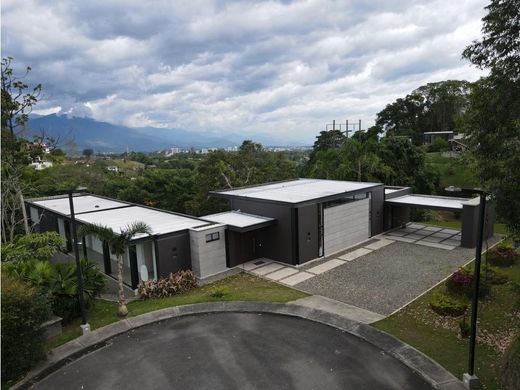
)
(292, 276)
(431, 236)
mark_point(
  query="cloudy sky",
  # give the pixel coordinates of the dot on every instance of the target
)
(281, 69)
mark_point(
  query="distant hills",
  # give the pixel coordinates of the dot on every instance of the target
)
(107, 137)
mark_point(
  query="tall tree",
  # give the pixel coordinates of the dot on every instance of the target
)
(17, 100)
(432, 107)
(493, 120)
(499, 48)
(117, 243)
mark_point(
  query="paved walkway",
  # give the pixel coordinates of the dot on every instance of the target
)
(432, 236)
(293, 276)
(343, 309)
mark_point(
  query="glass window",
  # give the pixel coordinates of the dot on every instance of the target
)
(212, 237)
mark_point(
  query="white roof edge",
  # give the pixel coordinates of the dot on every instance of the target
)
(241, 213)
(211, 225)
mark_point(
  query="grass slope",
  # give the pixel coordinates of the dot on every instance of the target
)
(452, 171)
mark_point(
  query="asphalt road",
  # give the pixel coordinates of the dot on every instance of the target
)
(235, 351)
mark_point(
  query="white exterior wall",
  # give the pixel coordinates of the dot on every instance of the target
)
(208, 258)
(346, 225)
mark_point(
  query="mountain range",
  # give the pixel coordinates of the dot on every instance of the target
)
(106, 137)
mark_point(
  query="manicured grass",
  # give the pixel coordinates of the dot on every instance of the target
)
(438, 336)
(241, 287)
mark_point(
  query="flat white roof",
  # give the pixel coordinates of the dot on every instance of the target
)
(82, 204)
(237, 218)
(429, 201)
(300, 190)
(390, 190)
(118, 215)
(159, 221)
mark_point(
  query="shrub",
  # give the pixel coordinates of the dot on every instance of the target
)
(218, 292)
(446, 306)
(34, 246)
(510, 370)
(59, 282)
(24, 309)
(461, 283)
(502, 256)
(491, 275)
(175, 283)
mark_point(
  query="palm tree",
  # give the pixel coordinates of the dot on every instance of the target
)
(117, 243)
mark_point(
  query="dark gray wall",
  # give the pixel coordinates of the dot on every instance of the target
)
(470, 223)
(377, 210)
(395, 216)
(243, 247)
(172, 253)
(48, 222)
(279, 240)
(308, 233)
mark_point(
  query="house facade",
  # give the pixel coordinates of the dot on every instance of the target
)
(293, 222)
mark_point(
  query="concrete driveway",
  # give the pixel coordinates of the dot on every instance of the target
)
(236, 351)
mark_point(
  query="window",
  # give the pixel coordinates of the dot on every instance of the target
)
(212, 237)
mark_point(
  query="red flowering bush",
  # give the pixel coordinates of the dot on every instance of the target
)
(460, 282)
(175, 283)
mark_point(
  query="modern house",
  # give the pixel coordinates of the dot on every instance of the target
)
(430, 136)
(293, 221)
(177, 241)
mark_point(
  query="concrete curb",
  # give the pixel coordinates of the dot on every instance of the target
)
(431, 371)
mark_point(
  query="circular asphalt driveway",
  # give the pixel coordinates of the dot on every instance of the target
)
(235, 351)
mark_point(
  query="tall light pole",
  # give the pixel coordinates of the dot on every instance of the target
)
(85, 327)
(470, 379)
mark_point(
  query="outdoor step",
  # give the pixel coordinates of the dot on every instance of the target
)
(297, 278)
(355, 254)
(319, 269)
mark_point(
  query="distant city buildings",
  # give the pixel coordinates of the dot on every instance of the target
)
(205, 150)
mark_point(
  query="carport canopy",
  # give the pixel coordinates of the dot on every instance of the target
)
(429, 202)
(239, 221)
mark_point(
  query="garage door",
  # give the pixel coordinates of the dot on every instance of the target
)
(345, 225)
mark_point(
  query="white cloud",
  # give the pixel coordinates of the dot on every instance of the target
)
(254, 67)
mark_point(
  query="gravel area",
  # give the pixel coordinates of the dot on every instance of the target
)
(388, 278)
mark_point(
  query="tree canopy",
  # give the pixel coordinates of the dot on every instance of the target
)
(499, 48)
(432, 107)
(493, 119)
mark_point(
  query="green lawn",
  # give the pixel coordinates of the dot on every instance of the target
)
(241, 287)
(438, 336)
(452, 171)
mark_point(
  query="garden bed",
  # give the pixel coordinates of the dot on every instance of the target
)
(439, 336)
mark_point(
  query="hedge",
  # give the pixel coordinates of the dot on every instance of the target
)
(24, 309)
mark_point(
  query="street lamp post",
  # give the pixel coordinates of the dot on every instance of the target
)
(470, 379)
(85, 327)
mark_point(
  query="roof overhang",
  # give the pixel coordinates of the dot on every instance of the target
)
(240, 222)
(431, 202)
